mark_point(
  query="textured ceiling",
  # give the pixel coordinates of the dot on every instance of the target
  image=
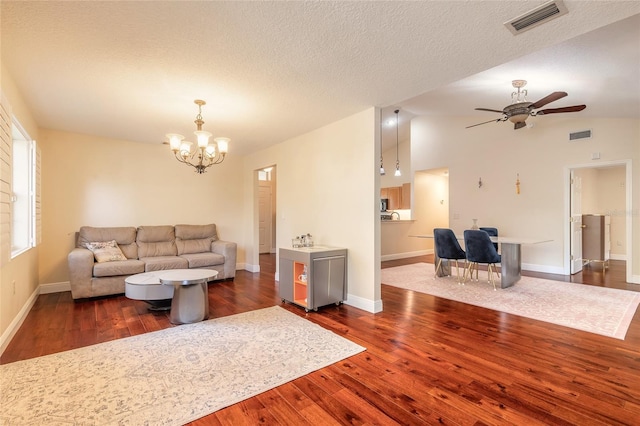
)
(273, 70)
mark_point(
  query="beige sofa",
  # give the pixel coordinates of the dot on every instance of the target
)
(145, 249)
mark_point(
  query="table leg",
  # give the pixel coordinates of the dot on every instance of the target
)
(190, 303)
(511, 266)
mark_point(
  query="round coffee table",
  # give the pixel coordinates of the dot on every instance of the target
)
(147, 287)
(190, 301)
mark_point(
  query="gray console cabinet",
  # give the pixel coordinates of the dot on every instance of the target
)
(326, 277)
(596, 238)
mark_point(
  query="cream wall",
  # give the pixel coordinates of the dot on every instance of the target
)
(395, 242)
(611, 190)
(540, 155)
(389, 157)
(22, 270)
(327, 187)
(87, 180)
(430, 194)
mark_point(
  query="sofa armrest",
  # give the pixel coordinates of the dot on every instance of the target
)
(80, 262)
(227, 249)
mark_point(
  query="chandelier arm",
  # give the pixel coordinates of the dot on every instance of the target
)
(180, 159)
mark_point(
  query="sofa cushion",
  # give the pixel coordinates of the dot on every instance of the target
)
(106, 251)
(120, 267)
(156, 241)
(195, 238)
(202, 245)
(194, 232)
(201, 260)
(160, 263)
(124, 236)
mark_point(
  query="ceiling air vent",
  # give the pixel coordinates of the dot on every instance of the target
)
(537, 16)
(582, 134)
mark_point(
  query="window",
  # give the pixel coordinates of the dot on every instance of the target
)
(23, 191)
(265, 174)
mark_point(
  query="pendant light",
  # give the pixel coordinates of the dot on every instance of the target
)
(397, 173)
(381, 165)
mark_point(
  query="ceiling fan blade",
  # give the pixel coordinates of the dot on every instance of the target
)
(485, 122)
(574, 108)
(548, 99)
(519, 125)
(490, 110)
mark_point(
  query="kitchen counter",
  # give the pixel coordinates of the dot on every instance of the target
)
(397, 221)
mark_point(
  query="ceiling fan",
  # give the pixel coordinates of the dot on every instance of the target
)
(520, 109)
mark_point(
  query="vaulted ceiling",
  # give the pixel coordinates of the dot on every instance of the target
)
(273, 70)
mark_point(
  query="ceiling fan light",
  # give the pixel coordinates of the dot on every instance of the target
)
(520, 118)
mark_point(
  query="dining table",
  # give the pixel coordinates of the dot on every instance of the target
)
(510, 252)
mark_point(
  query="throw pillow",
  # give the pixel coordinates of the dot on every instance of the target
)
(106, 251)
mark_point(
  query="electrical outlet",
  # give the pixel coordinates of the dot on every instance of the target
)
(619, 243)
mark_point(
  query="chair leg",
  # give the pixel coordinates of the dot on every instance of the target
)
(491, 280)
(468, 269)
(458, 273)
(438, 266)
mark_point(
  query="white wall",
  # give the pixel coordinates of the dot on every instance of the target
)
(497, 153)
(327, 187)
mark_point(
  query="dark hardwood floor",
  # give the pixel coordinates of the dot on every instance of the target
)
(428, 360)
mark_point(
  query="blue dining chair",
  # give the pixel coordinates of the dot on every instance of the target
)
(448, 248)
(480, 249)
(493, 232)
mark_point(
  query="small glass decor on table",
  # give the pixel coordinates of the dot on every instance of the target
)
(302, 241)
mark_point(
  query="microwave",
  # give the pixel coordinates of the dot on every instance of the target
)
(384, 204)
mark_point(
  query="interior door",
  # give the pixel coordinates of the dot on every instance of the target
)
(265, 213)
(576, 222)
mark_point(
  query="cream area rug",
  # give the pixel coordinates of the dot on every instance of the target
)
(168, 377)
(598, 310)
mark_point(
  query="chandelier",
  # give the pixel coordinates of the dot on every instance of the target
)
(204, 154)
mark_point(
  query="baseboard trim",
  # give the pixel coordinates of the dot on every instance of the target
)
(251, 268)
(55, 287)
(543, 268)
(13, 328)
(396, 256)
(618, 257)
(373, 306)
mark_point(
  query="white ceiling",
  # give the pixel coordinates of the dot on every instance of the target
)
(272, 70)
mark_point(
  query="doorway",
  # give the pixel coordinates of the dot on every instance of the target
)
(266, 178)
(601, 189)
